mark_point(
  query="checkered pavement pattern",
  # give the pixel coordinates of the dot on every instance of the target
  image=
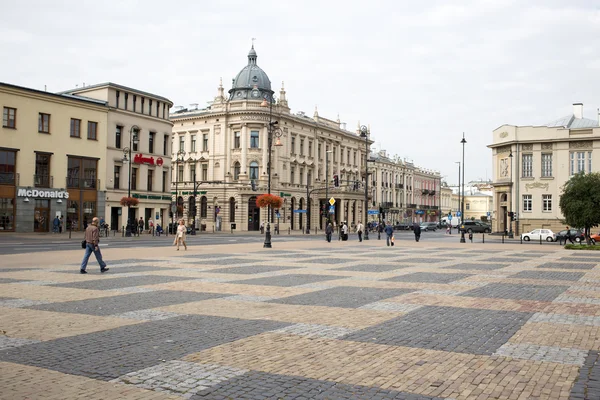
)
(366, 322)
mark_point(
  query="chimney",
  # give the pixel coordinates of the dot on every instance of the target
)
(578, 110)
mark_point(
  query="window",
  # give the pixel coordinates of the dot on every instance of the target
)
(165, 144)
(527, 202)
(301, 147)
(75, 128)
(150, 180)
(205, 142)
(193, 149)
(546, 165)
(118, 95)
(116, 177)
(151, 136)
(44, 123)
(580, 161)
(319, 151)
(42, 170)
(253, 170)
(7, 167)
(181, 143)
(527, 165)
(292, 180)
(134, 102)
(126, 100)
(231, 209)
(236, 171)
(118, 135)
(149, 107)
(236, 140)
(301, 176)
(547, 202)
(164, 182)
(180, 173)
(192, 172)
(157, 108)
(204, 172)
(293, 146)
(81, 173)
(9, 118)
(467, 206)
(92, 130)
(354, 158)
(203, 207)
(254, 139)
(577, 162)
(7, 213)
(135, 139)
(310, 152)
(134, 174)
(348, 157)
(142, 110)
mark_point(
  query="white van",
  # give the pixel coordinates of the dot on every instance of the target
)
(455, 222)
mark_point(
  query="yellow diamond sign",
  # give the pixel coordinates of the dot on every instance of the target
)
(332, 201)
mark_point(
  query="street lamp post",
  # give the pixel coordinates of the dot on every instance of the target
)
(458, 205)
(133, 139)
(364, 132)
(180, 155)
(273, 131)
(511, 235)
(462, 204)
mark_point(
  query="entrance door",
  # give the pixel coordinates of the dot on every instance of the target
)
(41, 215)
(114, 218)
(148, 217)
(253, 215)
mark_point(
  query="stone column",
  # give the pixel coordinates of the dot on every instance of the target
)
(244, 139)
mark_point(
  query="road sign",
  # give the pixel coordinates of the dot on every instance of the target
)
(277, 214)
(331, 210)
(489, 213)
(173, 208)
(332, 201)
(419, 212)
(373, 212)
(299, 211)
(458, 214)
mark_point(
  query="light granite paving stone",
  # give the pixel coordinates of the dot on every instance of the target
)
(251, 270)
(589, 288)
(213, 280)
(148, 315)
(567, 265)
(245, 297)
(442, 292)
(4, 270)
(364, 278)
(10, 280)
(370, 267)
(37, 283)
(314, 286)
(10, 342)
(578, 300)
(566, 319)
(428, 277)
(312, 330)
(388, 306)
(542, 353)
(288, 280)
(20, 303)
(134, 289)
(179, 377)
(228, 261)
(477, 266)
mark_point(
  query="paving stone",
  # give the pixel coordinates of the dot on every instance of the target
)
(582, 258)
(542, 353)
(121, 270)
(10, 342)
(127, 302)
(586, 385)
(473, 283)
(21, 303)
(565, 265)
(292, 255)
(261, 385)
(461, 330)
(288, 280)
(578, 300)
(179, 377)
(502, 259)
(478, 266)
(10, 280)
(325, 260)
(211, 256)
(245, 297)
(428, 277)
(549, 275)
(149, 315)
(37, 283)
(134, 289)
(390, 306)
(116, 283)
(440, 292)
(2, 270)
(312, 330)
(342, 296)
(315, 286)
(107, 355)
(227, 261)
(369, 267)
(517, 292)
(250, 269)
(410, 260)
(567, 319)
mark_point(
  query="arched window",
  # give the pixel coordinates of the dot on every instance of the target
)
(231, 209)
(203, 207)
(192, 206)
(253, 170)
(236, 171)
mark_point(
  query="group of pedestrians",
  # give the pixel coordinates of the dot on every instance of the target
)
(388, 230)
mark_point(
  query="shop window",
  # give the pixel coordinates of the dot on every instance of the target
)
(7, 214)
(203, 207)
(232, 209)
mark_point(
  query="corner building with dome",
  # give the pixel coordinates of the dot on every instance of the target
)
(223, 148)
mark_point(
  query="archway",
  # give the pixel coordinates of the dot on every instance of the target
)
(253, 214)
(293, 207)
(231, 209)
(300, 215)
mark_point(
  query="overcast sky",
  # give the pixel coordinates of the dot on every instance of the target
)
(420, 73)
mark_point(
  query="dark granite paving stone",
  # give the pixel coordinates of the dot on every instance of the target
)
(121, 270)
(18, 269)
(250, 269)
(346, 297)
(227, 261)
(262, 385)
(368, 267)
(462, 330)
(109, 354)
(517, 292)
(502, 259)
(207, 256)
(326, 260)
(288, 280)
(127, 302)
(477, 266)
(593, 260)
(528, 255)
(10, 280)
(117, 283)
(293, 256)
(410, 260)
(587, 385)
(117, 262)
(567, 265)
(481, 252)
(428, 277)
(551, 275)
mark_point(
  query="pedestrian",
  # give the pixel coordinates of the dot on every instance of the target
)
(151, 227)
(389, 231)
(92, 241)
(417, 231)
(60, 224)
(55, 224)
(328, 232)
(359, 230)
(141, 225)
(262, 227)
(380, 228)
(568, 236)
(344, 231)
(448, 229)
(180, 235)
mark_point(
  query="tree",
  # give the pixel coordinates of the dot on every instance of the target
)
(580, 202)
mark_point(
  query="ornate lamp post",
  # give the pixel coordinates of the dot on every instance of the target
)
(274, 131)
(462, 204)
(364, 132)
(133, 139)
(511, 235)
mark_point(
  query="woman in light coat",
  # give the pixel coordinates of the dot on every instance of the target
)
(180, 236)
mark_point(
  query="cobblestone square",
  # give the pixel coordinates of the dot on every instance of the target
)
(303, 320)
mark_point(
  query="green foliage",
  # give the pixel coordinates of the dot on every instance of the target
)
(580, 201)
(581, 247)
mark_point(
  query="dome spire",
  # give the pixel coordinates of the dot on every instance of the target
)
(252, 54)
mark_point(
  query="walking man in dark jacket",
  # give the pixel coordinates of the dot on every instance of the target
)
(389, 231)
(417, 231)
(328, 232)
(92, 239)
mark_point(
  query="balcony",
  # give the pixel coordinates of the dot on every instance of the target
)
(399, 186)
(86, 184)
(9, 178)
(432, 192)
(425, 191)
(43, 181)
(411, 206)
(387, 204)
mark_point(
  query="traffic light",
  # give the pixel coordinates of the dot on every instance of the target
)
(253, 183)
(511, 215)
(336, 181)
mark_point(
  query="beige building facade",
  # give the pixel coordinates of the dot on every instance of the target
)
(532, 163)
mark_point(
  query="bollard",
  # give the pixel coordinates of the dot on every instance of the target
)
(521, 239)
(483, 235)
(123, 232)
(540, 239)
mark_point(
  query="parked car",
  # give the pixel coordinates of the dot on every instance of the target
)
(402, 226)
(428, 226)
(595, 238)
(545, 234)
(475, 227)
(576, 235)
